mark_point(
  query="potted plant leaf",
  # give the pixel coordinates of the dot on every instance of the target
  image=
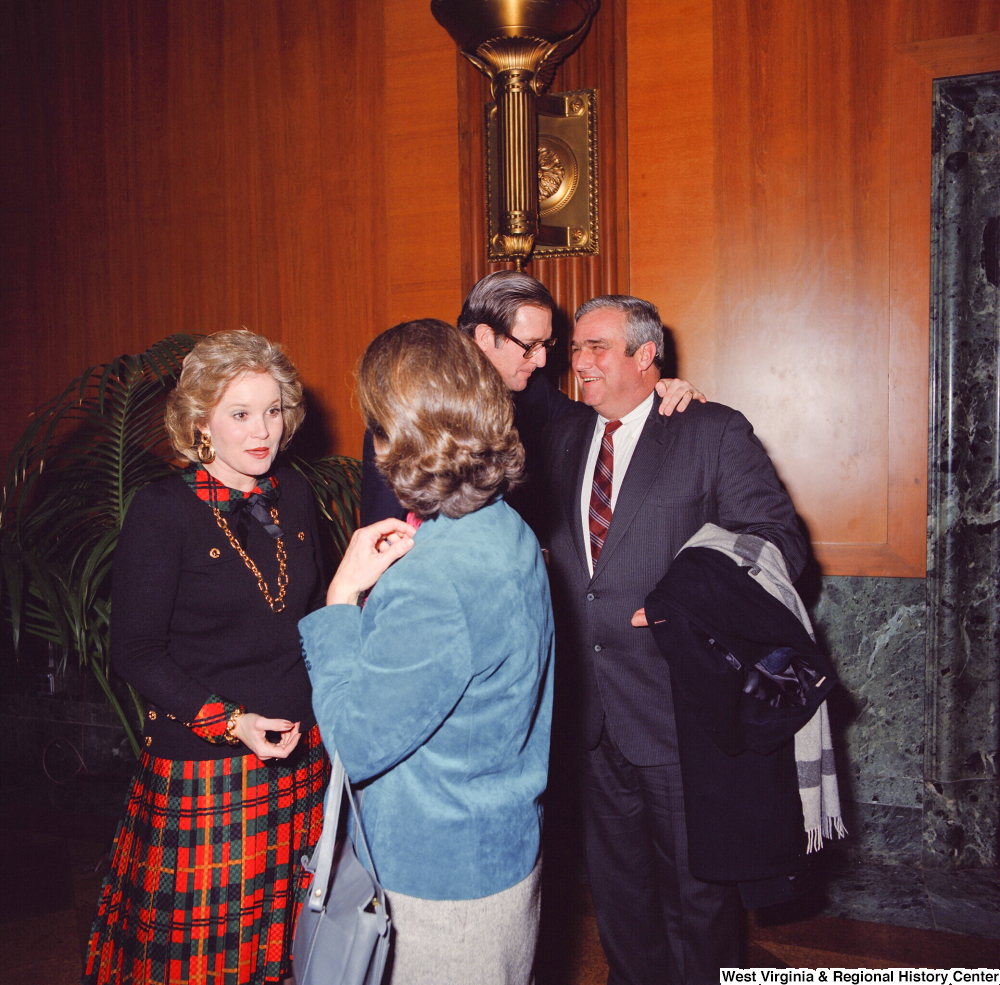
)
(68, 485)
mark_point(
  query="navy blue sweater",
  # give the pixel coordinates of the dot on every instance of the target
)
(189, 621)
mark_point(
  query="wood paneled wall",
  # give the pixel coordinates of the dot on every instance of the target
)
(769, 221)
(422, 160)
(286, 165)
(308, 168)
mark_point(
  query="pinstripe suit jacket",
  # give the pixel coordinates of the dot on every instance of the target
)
(688, 469)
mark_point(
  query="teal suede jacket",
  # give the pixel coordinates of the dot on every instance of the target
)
(438, 696)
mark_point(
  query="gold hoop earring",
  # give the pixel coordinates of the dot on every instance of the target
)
(206, 453)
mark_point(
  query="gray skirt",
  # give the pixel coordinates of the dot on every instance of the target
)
(489, 941)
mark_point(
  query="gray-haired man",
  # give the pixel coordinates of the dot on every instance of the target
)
(628, 487)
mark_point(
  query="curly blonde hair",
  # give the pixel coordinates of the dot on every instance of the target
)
(210, 367)
(441, 417)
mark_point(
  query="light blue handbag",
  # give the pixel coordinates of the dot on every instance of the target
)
(342, 934)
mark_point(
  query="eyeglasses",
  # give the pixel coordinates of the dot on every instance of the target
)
(530, 348)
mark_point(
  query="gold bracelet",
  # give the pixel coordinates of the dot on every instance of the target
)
(229, 734)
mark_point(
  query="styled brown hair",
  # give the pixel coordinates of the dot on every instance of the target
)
(441, 417)
(497, 298)
(210, 367)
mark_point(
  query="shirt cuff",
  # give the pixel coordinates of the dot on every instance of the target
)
(212, 718)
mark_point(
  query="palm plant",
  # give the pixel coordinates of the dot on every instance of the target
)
(68, 485)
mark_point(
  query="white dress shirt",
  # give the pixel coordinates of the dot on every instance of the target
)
(624, 441)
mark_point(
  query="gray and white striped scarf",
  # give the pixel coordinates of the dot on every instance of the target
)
(813, 744)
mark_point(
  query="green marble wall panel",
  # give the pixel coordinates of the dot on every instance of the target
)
(916, 724)
(963, 583)
(875, 628)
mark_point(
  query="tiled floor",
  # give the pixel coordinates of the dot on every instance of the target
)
(966, 902)
(51, 867)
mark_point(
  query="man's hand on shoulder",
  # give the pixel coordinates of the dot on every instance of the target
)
(676, 395)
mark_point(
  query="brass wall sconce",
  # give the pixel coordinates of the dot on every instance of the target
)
(518, 45)
(567, 177)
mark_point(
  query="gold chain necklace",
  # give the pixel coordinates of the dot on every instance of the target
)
(278, 604)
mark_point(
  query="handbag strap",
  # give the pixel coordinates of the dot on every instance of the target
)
(321, 863)
(358, 829)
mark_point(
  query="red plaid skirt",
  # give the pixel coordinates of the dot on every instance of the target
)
(205, 883)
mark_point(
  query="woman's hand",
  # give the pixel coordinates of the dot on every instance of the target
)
(252, 731)
(677, 394)
(371, 550)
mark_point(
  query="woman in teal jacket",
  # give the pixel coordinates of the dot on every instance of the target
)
(438, 692)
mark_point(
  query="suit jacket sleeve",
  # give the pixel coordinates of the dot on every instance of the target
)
(749, 496)
(146, 574)
(378, 501)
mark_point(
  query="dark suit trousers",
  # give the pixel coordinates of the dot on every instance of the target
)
(658, 924)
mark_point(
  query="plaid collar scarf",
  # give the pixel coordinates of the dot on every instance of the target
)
(257, 503)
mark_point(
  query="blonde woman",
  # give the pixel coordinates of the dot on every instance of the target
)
(213, 570)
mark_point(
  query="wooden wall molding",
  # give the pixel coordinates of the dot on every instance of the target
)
(914, 68)
(199, 165)
(822, 254)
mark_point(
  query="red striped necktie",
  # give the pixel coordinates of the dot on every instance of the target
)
(600, 494)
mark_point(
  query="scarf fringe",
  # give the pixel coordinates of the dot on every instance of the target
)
(831, 826)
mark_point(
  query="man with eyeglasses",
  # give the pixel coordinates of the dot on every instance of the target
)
(509, 314)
